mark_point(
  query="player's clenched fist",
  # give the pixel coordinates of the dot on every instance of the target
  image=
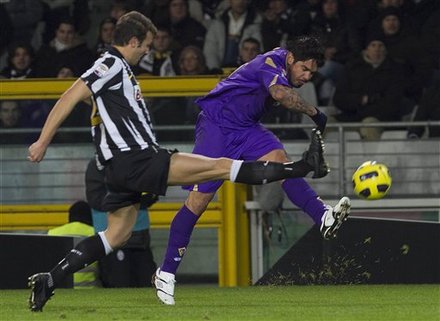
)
(36, 152)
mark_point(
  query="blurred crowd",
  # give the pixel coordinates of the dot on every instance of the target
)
(382, 57)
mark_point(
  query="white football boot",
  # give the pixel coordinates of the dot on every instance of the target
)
(164, 284)
(334, 217)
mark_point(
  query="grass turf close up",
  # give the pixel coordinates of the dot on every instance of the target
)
(302, 303)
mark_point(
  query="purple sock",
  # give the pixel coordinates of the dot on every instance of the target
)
(302, 195)
(180, 233)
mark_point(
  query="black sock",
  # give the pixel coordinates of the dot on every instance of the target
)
(257, 173)
(85, 253)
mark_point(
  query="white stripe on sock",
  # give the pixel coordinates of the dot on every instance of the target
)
(235, 168)
(107, 247)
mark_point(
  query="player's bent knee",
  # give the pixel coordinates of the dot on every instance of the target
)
(117, 239)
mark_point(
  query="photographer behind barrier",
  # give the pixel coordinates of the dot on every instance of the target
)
(133, 264)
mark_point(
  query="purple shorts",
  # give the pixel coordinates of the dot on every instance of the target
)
(244, 143)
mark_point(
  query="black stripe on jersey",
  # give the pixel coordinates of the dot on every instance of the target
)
(122, 115)
(120, 106)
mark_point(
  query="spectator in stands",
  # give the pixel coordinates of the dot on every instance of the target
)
(226, 34)
(404, 7)
(305, 12)
(20, 62)
(161, 60)
(249, 49)
(65, 48)
(430, 37)
(213, 9)
(6, 33)
(192, 62)
(24, 14)
(121, 7)
(80, 225)
(58, 10)
(157, 11)
(359, 15)
(277, 24)
(186, 31)
(421, 10)
(20, 66)
(65, 72)
(339, 43)
(405, 47)
(133, 264)
(370, 89)
(105, 37)
(10, 114)
(429, 109)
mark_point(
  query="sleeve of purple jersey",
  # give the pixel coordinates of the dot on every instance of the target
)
(272, 73)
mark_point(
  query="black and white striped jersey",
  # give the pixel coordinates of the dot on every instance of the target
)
(120, 119)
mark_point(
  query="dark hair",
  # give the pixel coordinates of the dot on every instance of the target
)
(164, 27)
(66, 20)
(307, 47)
(390, 11)
(13, 48)
(80, 211)
(106, 20)
(185, 3)
(252, 40)
(132, 24)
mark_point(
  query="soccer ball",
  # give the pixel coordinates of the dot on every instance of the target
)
(371, 180)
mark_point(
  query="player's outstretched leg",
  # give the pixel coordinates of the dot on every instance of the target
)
(314, 156)
(263, 172)
(41, 285)
(334, 217)
(164, 284)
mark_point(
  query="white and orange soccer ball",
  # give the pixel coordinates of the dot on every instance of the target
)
(371, 180)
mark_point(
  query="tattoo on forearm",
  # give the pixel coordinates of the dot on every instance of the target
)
(291, 99)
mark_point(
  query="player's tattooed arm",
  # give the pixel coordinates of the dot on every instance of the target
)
(291, 99)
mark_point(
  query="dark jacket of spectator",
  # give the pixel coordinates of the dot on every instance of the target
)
(277, 24)
(430, 36)
(25, 14)
(382, 85)
(429, 109)
(49, 60)
(6, 28)
(404, 46)
(188, 32)
(334, 34)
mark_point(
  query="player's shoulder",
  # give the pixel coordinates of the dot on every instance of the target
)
(274, 60)
(109, 59)
(277, 55)
(107, 62)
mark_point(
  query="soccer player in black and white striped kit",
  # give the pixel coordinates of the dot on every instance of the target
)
(127, 150)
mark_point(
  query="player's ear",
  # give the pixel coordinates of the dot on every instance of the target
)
(290, 58)
(133, 42)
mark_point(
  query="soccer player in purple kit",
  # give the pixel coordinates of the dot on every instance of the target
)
(229, 126)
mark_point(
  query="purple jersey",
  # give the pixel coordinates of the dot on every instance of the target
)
(239, 100)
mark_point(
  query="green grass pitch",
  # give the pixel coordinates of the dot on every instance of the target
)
(208, 302)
